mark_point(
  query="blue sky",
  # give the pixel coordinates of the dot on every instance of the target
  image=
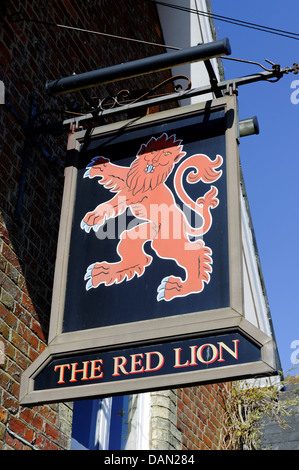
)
(270, 160)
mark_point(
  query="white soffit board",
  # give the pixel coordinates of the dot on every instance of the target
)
(183, 29)
(255, 307)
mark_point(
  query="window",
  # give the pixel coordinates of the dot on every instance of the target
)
(118, 423)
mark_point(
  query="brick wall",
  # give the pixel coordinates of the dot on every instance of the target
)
(187, 418)
(200, 416)
(31, 175)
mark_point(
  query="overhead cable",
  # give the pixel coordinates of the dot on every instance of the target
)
(82, 30)
(226, 19)
(14, 18)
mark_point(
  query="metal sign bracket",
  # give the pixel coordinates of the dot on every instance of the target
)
(118, 105)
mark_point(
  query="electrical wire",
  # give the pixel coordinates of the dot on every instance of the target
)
(82, 30)
(115, 36)
(226, 19)
(246, 24)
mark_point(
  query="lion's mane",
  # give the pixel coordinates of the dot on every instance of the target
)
(138, 180)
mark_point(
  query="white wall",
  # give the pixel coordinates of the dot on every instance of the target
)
(182, 29)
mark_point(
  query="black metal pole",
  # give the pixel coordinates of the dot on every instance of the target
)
(139, 67)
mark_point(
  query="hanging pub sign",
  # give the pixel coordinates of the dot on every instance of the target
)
(148, 289)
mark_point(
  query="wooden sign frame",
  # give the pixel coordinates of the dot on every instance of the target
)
(68, 340)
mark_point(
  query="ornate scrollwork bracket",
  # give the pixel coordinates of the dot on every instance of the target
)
(125, 96)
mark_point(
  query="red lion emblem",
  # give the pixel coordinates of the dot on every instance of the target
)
(142, 188)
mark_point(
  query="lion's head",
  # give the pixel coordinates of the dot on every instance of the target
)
(153, 163)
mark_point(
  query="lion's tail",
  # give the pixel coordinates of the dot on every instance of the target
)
(204, 169)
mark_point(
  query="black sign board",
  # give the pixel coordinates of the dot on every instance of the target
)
(180, 356)
(149, 260)
(141, 246)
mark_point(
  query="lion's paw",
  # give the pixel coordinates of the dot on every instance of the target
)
(95, 275)
(86, 227)
(94, 167)
(169, 288)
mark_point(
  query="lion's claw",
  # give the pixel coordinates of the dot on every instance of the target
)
(161, 289)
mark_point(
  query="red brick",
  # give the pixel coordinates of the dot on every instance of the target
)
(13, 443)
(3, 415)
(48, 414)
(21, 429)
(43, 443)
(21, 314)
(207, 441)
(27, 303)
(32, 418)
